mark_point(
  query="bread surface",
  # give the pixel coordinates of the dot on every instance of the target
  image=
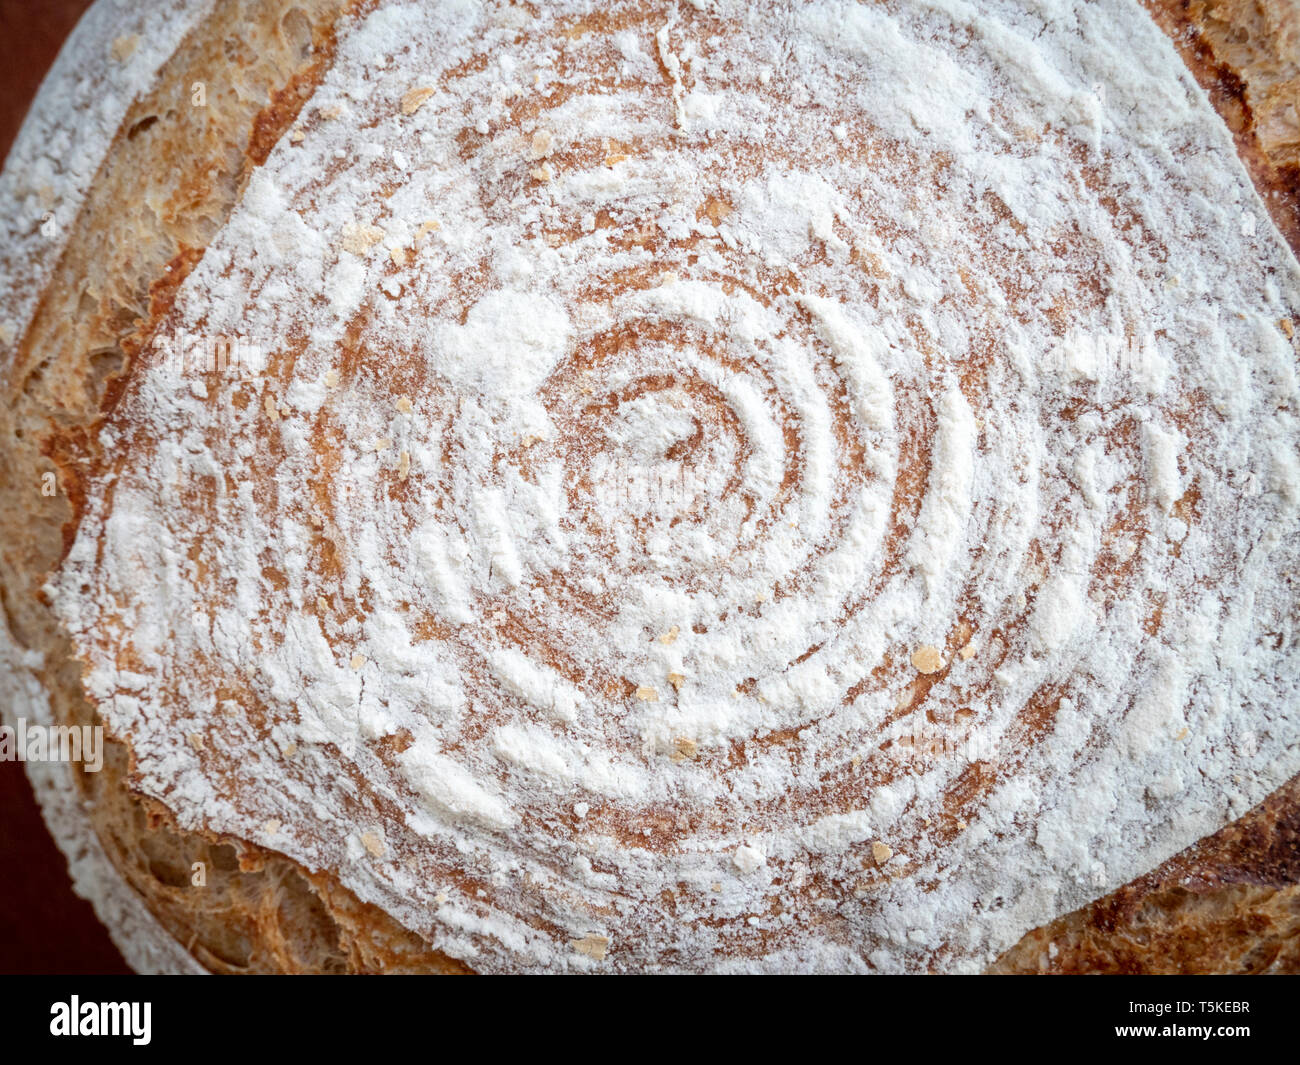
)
(169, 182)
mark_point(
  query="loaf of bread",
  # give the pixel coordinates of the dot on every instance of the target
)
(647, 487)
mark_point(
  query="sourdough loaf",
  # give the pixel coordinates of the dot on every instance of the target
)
(689, 488)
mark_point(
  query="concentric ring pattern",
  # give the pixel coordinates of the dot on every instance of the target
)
(763, 485)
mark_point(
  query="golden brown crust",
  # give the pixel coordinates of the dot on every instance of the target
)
(1229, 904)
(1246, 55)
(176, 173)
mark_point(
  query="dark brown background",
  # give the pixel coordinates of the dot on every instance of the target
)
(44, 927)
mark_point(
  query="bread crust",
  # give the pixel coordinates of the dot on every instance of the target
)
(116, 276)
(1245, 54)
(1231, 903)
(1227, 904)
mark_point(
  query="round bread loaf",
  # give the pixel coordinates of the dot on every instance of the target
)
(642, 487)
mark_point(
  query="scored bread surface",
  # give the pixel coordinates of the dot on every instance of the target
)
(686, 518)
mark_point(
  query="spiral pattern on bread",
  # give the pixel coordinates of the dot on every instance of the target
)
(715, 486)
